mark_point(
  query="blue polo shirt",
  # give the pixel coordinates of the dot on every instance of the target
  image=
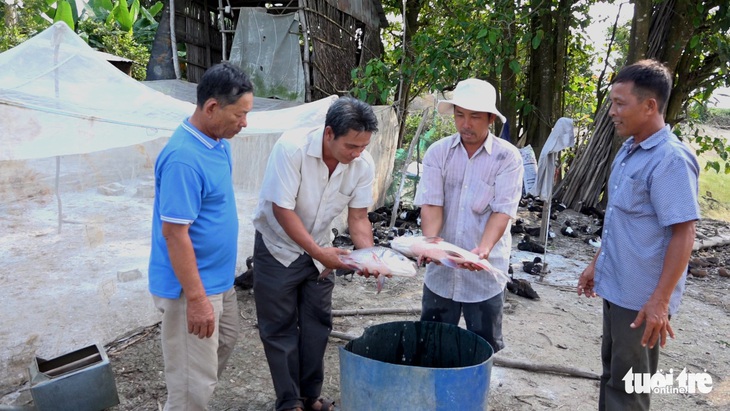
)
(193, 186)
(652, 186)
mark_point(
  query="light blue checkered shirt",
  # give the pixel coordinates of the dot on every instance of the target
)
(470, 190)
(652, 186)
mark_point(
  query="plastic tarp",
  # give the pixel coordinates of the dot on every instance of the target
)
(58, 97)
(266, 47)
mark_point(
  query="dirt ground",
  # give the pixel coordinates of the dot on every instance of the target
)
(560, 329)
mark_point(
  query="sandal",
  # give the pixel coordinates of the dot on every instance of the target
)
(326, 404)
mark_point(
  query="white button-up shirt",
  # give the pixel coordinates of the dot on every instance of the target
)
(470, 190)
(297, 178)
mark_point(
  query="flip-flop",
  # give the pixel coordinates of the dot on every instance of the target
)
(327, 404)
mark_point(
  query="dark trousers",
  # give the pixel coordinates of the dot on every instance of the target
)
(294, 312)
(621, 350)
(483, 318)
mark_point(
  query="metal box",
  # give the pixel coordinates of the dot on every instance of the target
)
(78, 381)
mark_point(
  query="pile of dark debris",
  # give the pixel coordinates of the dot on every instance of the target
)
(584, 226)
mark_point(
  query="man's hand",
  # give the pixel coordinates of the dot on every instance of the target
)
(585, 282)
(656, 315)
(201, 317)
(367, 273)
(330, 257)
(482, 253)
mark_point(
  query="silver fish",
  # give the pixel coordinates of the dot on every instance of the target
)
(450, 255)
(385, 261)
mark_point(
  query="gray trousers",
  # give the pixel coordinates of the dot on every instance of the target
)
(621, 350)
(294, 311)
(483, 318)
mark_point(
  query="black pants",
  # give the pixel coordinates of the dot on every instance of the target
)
(621, 351)
(483, 318)
(294, 312)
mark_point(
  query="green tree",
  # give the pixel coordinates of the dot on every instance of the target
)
(693, 40)
(22, 21)
(500, 41)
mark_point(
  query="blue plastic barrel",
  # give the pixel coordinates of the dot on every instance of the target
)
(415, 366)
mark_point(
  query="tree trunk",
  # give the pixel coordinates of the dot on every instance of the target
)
(403, 95)
(547, 72)
(640, 27)
(539, 74)
(11, 15)
(508, 78)
(670, 28)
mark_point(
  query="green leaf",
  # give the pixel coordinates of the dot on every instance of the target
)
(482, 33)
(694, 41)
(537, 39)
(134, 12)
(64, 14)
(714, 165)
(123, 16)
(515, 66)
(493, 37)
(156, 8)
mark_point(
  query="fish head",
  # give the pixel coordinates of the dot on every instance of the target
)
(404, 244)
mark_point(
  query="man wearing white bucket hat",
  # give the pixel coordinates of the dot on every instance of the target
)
(469, 191)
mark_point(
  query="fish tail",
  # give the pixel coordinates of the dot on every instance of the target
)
(498, 274)
(379, 283)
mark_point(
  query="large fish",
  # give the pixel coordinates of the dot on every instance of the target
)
(450, 255)
(381, 259)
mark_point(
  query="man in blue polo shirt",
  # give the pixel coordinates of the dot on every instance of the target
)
(648, 233)
(194, 240)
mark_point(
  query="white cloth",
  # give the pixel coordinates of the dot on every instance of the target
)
(470, 190)
(297, 178)
(561, 137)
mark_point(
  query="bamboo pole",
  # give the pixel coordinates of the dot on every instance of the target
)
(545, 368)
(376, 311)
(414, 143)
(306, 57)
(342, 336)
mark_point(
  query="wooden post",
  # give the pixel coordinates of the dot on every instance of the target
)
(414, 143)
(305, 56)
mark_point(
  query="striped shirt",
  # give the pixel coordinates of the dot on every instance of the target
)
(470, 190)
(652, 186)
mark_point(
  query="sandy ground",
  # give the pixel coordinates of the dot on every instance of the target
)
(558, 330)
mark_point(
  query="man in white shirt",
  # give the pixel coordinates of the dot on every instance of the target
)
(469, 191)
(311, 176)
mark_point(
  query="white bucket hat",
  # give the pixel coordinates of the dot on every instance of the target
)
(472, 94)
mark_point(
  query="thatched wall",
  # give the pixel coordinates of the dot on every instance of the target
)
(334, 36)
(197, 25)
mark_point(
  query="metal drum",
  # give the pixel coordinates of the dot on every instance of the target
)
(417, 366)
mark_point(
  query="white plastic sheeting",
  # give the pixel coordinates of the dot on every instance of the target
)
(266, 47)
(58, 96)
